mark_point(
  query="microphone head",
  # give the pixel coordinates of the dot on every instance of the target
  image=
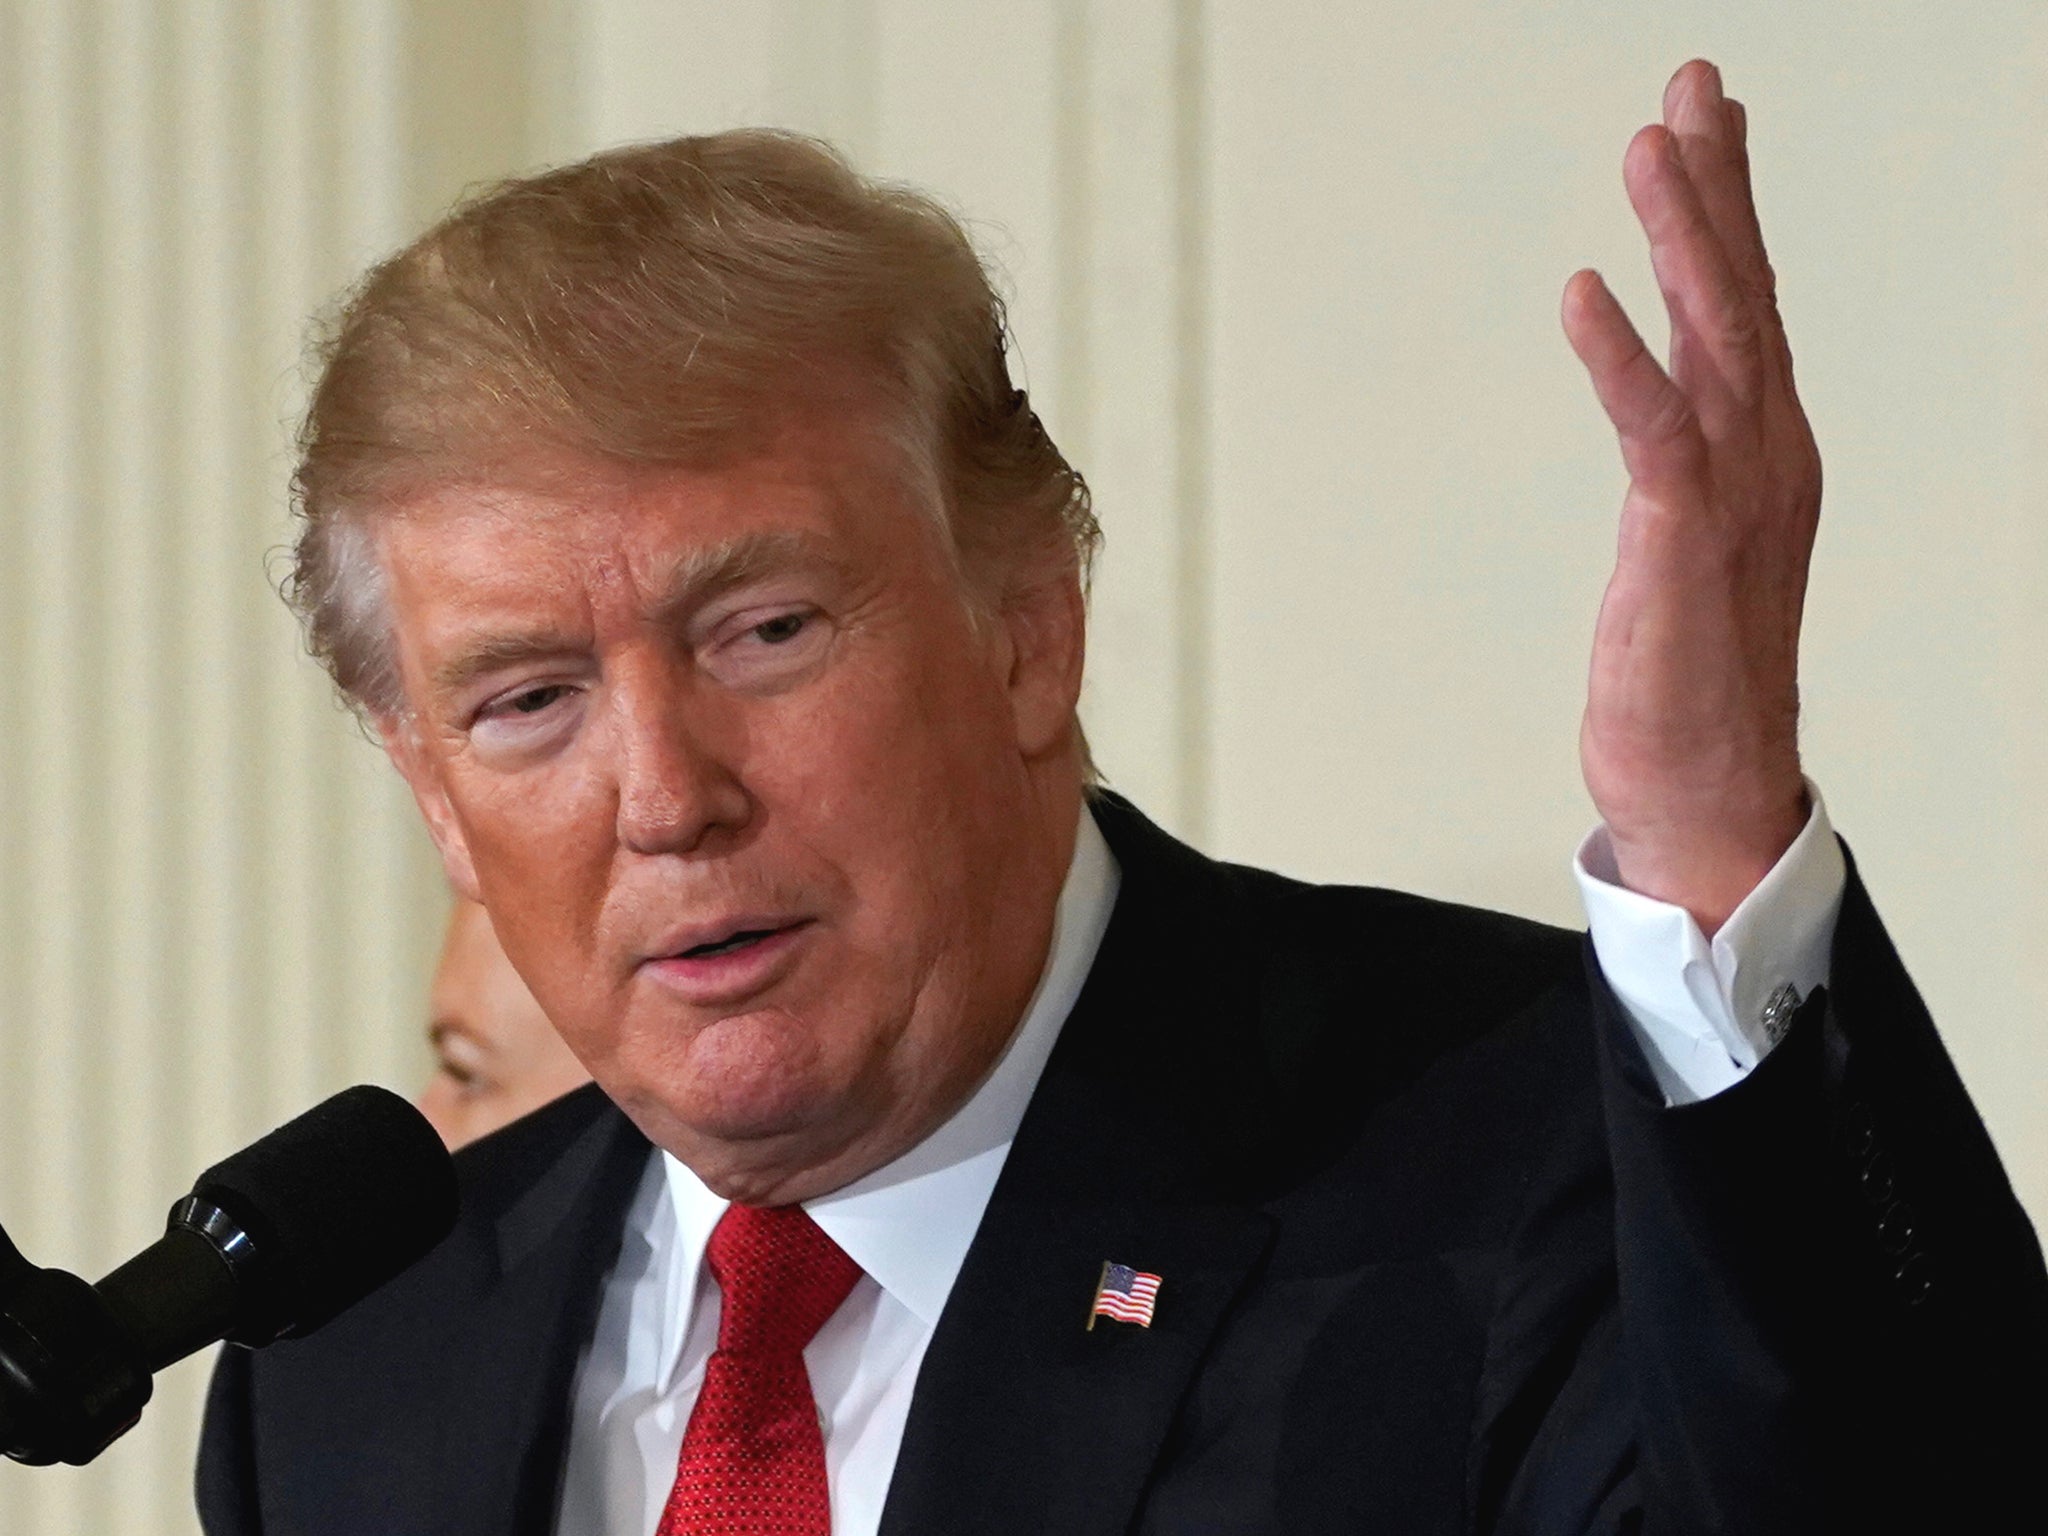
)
(335, 1204)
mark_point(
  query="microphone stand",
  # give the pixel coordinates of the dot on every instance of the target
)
(71, 1379)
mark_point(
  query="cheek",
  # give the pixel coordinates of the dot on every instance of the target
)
(918, 728)
(558, 817)
(542, 852)
(907, 783)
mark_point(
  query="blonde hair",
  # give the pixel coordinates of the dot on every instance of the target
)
(664, 305)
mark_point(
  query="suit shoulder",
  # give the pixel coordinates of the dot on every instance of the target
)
(1292, 1015)
(1348, 960)
(496, 1171)
(1379, 986)
(1408, 946)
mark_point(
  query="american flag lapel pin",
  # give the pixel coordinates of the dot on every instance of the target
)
(1126, 1294)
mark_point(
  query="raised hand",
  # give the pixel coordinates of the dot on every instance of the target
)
(1690, 743)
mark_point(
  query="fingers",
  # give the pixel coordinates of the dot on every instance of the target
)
(1754, 266)
(1660, 435)
(1728, 386)
(1711, 131)
(1717, 351)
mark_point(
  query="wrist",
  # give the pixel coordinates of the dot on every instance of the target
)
(1708, 863)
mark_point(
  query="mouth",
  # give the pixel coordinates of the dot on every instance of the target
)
(732, 962)
(740, 940)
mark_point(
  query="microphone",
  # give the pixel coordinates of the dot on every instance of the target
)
(271, 1243)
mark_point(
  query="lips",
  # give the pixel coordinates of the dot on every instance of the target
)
(725, 962)
(739, 940)
(723, 935)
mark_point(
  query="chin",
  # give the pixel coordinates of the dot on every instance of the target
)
(742, 1081)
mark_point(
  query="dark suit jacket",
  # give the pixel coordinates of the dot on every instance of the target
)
(1435, 1258)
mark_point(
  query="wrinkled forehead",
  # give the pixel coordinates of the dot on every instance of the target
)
(836, 464)
(465, 560)
(814, 471)
(660, 552)
(827, 443)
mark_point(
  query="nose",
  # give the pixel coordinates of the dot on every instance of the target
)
(676, 789)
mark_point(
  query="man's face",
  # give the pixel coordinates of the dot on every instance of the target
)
(772, 825)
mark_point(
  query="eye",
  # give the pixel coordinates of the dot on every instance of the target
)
(458, 1058)
(514, 709)
(532, 701)
(766, 647)
(526, 719)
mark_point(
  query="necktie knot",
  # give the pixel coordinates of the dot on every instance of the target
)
(779, 1277)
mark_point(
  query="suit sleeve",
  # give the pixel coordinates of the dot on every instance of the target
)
(226, 1482)
(1834, 1312)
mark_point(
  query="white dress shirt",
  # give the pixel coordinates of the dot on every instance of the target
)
(1696, 1006)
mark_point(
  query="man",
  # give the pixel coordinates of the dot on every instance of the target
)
(674, 520)
(496, 1056)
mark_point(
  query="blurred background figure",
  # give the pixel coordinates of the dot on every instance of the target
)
(496, 1056)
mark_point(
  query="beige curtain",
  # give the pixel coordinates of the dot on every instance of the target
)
(215, 906)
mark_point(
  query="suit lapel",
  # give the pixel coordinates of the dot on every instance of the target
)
(1024, 1419)
(512, 1359)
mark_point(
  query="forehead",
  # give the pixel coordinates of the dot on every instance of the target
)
(584, 526)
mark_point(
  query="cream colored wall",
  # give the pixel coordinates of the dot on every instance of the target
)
(215, 907)
(1285, 278)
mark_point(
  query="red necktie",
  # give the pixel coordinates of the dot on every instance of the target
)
(753, 1458)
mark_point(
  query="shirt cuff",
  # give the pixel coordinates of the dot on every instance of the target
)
(1704, 1013)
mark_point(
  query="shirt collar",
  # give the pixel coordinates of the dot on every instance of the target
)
(908, 1224)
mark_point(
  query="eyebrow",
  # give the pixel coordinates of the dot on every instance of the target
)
(692, 581)
(489, 654)
(704, 573)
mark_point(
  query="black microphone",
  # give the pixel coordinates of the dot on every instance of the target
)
(271, 1243)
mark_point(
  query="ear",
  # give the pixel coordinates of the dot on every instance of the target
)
(1044, 620)
(421, 771)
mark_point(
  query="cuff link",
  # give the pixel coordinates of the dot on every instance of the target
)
(1778, 1010)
